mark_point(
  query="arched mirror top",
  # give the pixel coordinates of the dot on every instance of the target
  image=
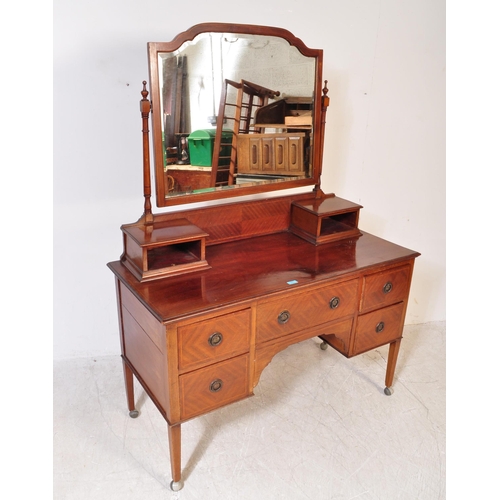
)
(236, 110)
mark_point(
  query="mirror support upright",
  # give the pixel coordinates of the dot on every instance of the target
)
(147, 217)
(325, 102)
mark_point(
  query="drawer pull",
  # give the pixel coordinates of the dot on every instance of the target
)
(380, 326)
(215, 339)
(216, 385)
(334, 302)
(387, 287)
(283, 317)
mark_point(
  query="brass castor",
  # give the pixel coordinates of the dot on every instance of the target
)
(176, 485)
(323, 346)
(388, 391)
(133, 414)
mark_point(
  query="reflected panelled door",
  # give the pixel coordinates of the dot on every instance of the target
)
(236, 110)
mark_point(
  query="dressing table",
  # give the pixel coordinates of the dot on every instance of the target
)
(209, 294)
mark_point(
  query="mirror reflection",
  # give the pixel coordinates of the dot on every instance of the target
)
(236, 110)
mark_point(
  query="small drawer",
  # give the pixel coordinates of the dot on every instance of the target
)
(296, 312)
(378, 328)
(216, 385)
(206, 342)
(384, 289)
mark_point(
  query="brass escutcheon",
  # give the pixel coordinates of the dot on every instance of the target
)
(283, 317)
(215, 339)
(216, 385)
(334, 302)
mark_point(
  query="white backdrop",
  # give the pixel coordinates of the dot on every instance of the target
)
(385, 135)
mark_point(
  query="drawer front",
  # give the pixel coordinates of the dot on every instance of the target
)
(206, 342)
(295, 312)
(385, 288)
(208, 388)
(378, 327)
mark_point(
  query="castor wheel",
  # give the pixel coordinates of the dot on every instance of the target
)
(133, 414)
(323, 346)
(176, 485)
(388, 391)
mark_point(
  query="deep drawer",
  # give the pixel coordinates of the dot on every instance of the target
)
(378, 327)
(216, 385)
(292, 313)
(384, 289)
(206, 342)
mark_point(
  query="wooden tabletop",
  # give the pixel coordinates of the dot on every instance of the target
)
(255, 267)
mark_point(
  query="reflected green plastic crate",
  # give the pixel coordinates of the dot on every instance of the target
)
(201, 147)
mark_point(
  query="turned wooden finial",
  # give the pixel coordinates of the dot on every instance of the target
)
(326, 99)
(144, 91)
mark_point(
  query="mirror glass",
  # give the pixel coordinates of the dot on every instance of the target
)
(234, 112)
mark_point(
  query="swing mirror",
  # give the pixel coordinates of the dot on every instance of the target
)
(236, 110)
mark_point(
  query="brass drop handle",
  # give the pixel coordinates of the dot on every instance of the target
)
(216, 385)
(387, 287)
(334, 302)
(380, 326)
(283, 317)
(215, 339)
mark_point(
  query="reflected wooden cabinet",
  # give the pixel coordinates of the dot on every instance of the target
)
(207, 296)
(271, 154)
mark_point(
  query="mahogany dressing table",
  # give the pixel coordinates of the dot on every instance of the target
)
(208, 296)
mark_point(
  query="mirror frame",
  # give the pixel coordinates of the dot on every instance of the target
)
(154, 48)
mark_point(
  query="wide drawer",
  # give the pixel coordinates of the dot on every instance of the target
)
(216, 385)
(378, 327)
(386, 288)
(295, 312)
